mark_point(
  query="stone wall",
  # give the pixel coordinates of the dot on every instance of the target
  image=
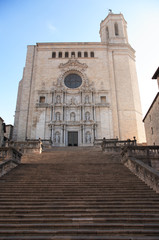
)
(9, 159)
(1, 132)
(9, 132)
(29, 146)
(143, 162)
(151, 122)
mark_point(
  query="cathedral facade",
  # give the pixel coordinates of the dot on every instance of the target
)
(73, 93)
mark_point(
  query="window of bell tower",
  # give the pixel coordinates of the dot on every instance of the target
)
(72, 54)
(85, 54)
(79, 54)
(107, 33)
(116, 29)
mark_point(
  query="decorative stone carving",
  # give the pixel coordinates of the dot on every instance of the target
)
(88, 137)
(57, 137)
(73, 101)
(87, 116)
(57, 116)
(87, 99)
(58, 99)
(72, 116)
(73, 64)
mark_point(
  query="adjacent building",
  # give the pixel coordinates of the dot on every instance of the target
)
(72, 93)
(9, 132)
(2, 132)
(151, 119)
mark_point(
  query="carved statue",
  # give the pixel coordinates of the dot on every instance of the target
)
(87, 116)
(87, 99)
(72, 116)
(57, 137)
(57, 116)
(58, 99)
(73, 101)
(88, 137)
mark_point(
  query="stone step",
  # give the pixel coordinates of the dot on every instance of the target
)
(79, 211)
(78, 207)
(76, 194)
(80, 225)
(78, 231)
(111, 219)
(127, 215)
(78, 203)
(81, 237)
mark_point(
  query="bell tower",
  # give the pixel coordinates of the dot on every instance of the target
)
(113, 29)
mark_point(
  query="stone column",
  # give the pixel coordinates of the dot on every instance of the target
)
(53, 130)
(82, 134)
(53, 113)
(81, 113)
(64, 135)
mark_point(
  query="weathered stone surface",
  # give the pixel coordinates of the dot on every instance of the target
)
(151, 121)
(1, 131)
(106, 104)
(76, 193)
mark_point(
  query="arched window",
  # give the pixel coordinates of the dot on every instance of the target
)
(42, 99)
(85, 54)
(57, 116)
(92, 54)
(72, 116)
(107, 33)
(79, 54)
(53, 54)
(87, 116)
(60, 54)
(103, 99)
(72, 54)
(116, 29)
(66, 54)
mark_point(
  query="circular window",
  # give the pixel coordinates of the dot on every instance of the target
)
(73, 81)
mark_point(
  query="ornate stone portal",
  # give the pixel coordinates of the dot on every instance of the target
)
(73, 108)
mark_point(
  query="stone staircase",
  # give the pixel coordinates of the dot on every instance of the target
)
(76, 193)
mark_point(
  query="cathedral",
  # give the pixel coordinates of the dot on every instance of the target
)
(75, 92)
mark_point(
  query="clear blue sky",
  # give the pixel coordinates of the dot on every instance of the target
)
(26, 22)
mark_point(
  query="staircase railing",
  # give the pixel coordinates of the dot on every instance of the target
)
(9, 159)
(115, 145)
(133, 156)
(100, 140)
(28, 146)
(147, 154)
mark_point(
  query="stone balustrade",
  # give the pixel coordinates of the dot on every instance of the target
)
(146, 173)
(29, 146)
(6, 166)
(142, 150)
(9, 153)
(115, 145)
(148, 154)
(9, 159)
(98, 141)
